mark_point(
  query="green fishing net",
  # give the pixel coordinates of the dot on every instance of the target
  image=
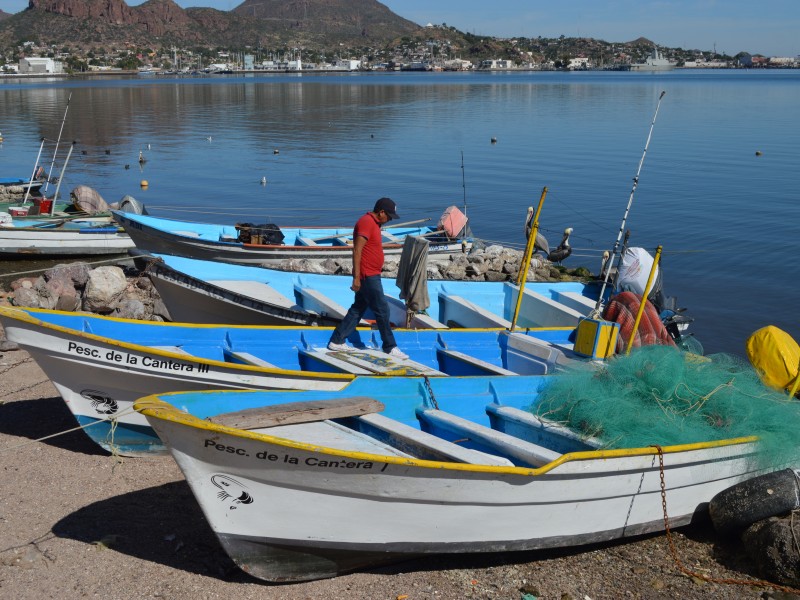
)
(662, 395)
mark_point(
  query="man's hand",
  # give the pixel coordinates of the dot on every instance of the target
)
(356, 284)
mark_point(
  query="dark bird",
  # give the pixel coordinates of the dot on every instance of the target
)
(108, 151)
(541, 242)
(127, 166)
(563, 250)
(142, 159)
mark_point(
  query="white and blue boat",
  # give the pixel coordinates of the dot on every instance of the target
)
(265, 244)
(307, 485)
(101, 365)
(202, 291)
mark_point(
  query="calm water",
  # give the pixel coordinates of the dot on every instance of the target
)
(728, 219)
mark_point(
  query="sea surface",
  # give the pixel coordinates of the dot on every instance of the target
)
(719, 185)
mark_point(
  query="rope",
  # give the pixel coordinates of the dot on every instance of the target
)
(759, 583)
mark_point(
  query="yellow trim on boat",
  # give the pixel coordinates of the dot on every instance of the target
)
(154, 406)
(22, 314)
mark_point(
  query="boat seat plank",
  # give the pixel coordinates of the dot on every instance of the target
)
(255, 289)
(528, 355)
(369, 361)
(314, 301)
(463, 313)
(397, 314)
(298, 412)
(391, 237)
(249, 359)
(485, 439)
(423, 445)
(305, 241)
(481, 367)
(331, 434)
(576, 301)
(539, 430)
(538, 310)
(175, 349)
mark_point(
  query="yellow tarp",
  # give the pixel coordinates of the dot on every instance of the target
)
(775, 355)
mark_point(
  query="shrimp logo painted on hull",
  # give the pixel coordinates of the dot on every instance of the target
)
(101, 403)
(231, 491)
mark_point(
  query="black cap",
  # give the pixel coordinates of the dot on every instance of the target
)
(388, 206)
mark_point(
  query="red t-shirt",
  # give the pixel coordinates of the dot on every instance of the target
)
(372, 253)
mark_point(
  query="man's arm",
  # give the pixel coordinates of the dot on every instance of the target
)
(358, 246)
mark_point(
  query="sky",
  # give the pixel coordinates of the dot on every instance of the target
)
(769, 27)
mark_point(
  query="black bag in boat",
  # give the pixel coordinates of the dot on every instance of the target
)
(267, 233)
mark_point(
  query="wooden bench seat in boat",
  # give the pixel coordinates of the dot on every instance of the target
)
(528, 355)
(314, 301)
(421, 444)
(290, 413)
(576, 301)
(255, 289)
(175, 349)
(484, 439)
(331, 434)
(246, 358)
(391, 237)
(538, 430)
(460, 312)
(366, 361)
(305, 241)
(468, 365)
(397, 315)
(538, 310)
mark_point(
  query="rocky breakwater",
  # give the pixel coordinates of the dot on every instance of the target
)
(481, 263)
(106, 290)
(10, 194)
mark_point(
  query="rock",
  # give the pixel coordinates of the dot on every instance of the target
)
(77, 273)
(130, 308)
(495, 276)
(104, 289)
(771, 545)
(26, 296)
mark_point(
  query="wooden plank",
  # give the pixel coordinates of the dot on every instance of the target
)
(481, 365)
(175, 349)
(298, 412)
(424, 445)
(486, 439)
(250, 359)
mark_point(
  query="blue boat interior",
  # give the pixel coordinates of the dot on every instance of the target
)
(484, 420)
(431, 352)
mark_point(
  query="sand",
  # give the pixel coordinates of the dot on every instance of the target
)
(76, 522)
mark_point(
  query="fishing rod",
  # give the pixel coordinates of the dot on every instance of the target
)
(608, 264)
(58, 141)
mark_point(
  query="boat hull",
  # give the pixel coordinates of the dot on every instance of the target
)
(25, 242)
(188, 243)
(295, 511)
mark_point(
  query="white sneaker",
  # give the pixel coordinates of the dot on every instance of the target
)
(397, 353)
(338, 347)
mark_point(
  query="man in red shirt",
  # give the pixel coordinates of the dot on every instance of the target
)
(367, 266)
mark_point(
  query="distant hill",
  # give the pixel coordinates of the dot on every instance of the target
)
(254, 23)
(4, 15)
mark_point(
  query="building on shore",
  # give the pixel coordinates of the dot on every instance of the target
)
(40, 65)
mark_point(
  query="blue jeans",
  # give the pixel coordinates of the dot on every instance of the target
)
(370, 295)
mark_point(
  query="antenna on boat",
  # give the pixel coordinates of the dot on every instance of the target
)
(58, 141)
(464, 187)
(606, 273)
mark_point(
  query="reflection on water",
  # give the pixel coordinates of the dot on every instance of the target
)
(329, 145)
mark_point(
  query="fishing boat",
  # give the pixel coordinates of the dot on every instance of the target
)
(46, 237)
(204, 291)
(305, 486)
(101, 365)
(263, 244)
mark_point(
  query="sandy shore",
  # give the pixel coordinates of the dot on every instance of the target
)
(78, 523)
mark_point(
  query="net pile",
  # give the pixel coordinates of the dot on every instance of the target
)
(661, 395)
